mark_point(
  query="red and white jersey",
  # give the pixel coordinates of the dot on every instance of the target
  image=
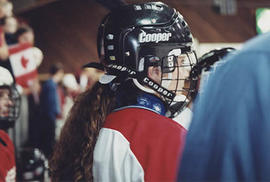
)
(7, 159)
(137, 144)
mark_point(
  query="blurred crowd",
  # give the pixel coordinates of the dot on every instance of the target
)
(45, 101)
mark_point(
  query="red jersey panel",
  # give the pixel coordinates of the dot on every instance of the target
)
(155, 140)
(7, 158)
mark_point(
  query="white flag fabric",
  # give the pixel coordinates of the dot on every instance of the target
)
(23, 63)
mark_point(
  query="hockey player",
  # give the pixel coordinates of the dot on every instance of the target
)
(199, 74)
(125, 136)
(206, 65)
(9, 105)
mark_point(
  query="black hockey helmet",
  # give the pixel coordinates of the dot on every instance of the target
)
(134, 31)
(131, 38)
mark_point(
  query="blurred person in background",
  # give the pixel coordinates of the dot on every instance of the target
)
(5, 11)
(50, 108)
(10, 27)
(6, 8)
(3, 45)
(199, 74)
(9, 111)
(228, 136)
(33, 98)
(70, 89)
(25, 35)
(90, 74)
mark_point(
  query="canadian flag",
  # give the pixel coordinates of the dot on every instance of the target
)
(23, 62)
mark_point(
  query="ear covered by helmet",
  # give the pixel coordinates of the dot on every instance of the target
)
(132, 36)
(205, 63)
(7, 82)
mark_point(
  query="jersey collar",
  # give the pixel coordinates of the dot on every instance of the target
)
(148, 102)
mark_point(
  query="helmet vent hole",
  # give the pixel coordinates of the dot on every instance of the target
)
(110, 47)
(110, 37)
(127, 53)
(183, 23)
(112, 58)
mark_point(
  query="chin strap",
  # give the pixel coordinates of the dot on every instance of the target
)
(142, 81)
(179, 103)
(141, 87)
(176, 109)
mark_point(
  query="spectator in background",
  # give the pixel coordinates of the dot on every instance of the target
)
(3, 45)
(50, 108)
(25, 35)
(4, 12)
(229, 135)
(9, 105)
(199, 75)
(24, 39)
(10, 27)
(90, 74)
(70, 89)
(6, 8)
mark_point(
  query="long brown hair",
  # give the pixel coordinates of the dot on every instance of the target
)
(72, 159)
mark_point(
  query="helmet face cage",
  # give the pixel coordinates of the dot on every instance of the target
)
(13, 110)
(175, 77)
(175, 72)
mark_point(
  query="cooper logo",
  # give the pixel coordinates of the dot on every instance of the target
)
(122, 69)
(154, 37)
(157, 88)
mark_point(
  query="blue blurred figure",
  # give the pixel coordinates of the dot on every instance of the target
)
(229, 133)
(50, 108)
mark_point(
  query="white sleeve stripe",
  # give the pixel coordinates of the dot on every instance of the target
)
(114, 160)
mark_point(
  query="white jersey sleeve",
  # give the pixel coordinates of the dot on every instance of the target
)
(114, 160)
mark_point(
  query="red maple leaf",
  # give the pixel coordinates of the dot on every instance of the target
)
(24, 61)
